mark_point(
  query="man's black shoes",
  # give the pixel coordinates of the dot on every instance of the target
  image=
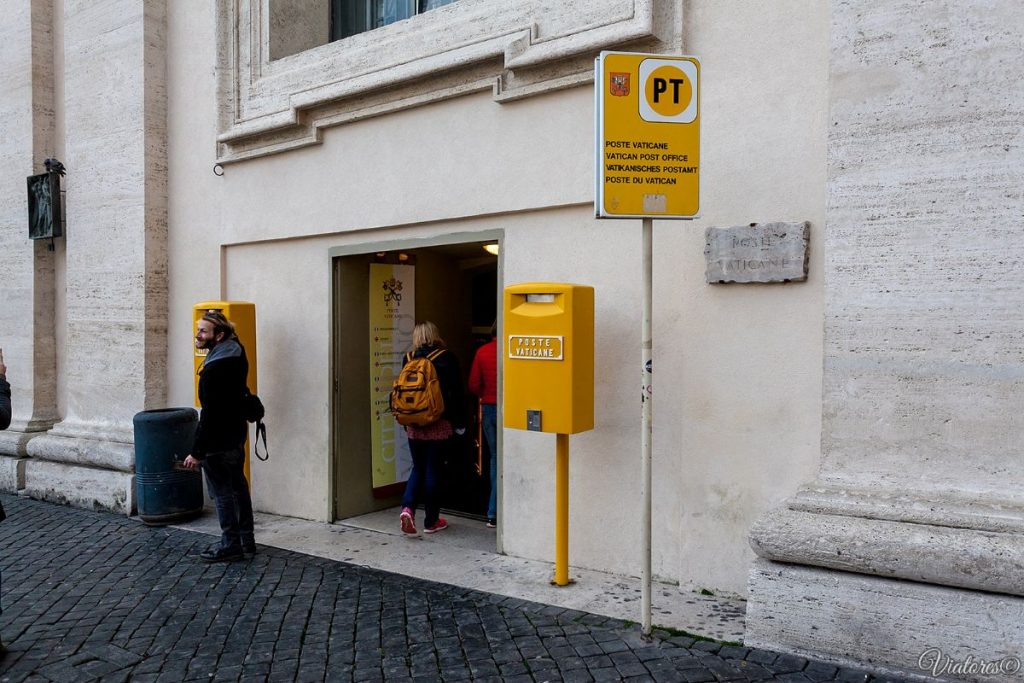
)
(229, 554)
(248, 550)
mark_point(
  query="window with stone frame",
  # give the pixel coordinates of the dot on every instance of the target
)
(286, 72)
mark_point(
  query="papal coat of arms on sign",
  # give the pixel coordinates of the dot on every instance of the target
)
(393, 291)
(619, 83)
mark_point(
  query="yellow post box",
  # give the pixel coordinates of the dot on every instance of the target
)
(549, 357)
(549, 379)
(243, 315)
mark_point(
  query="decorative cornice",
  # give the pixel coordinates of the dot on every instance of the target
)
(515, 50)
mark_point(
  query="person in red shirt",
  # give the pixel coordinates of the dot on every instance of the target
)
(483, 382)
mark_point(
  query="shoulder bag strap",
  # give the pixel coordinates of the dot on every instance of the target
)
(261, 431)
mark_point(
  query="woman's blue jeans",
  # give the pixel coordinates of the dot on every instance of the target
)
(424, 483)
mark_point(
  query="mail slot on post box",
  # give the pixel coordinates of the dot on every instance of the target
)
(549, 357)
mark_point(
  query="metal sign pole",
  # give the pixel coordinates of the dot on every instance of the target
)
(647, 154)
(645, 429)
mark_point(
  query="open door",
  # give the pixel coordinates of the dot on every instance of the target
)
(456, 286)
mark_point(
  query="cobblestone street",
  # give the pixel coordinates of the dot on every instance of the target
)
(95, 596)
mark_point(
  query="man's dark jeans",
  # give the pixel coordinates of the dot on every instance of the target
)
(226, 478)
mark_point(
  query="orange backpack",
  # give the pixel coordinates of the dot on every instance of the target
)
(416, 394)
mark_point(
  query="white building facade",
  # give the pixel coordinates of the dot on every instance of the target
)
(845, 441)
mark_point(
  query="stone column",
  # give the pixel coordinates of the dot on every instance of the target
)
(116, 139)
(912, 537)
(27, 316)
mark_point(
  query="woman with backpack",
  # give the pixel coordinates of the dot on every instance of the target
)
(429, 442)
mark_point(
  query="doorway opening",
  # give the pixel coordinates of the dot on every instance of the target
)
(378, 297)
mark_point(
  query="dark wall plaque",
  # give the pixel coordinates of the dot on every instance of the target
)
(44, 209)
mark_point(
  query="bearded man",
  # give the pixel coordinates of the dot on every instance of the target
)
(220, 437)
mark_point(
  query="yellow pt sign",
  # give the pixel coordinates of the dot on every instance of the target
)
(648, 136)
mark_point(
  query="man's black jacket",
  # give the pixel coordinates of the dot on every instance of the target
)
(222, 385)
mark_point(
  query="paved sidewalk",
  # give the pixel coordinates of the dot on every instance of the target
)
(466, 555)
(94, 596)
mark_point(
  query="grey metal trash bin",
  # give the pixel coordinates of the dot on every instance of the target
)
(163, 438)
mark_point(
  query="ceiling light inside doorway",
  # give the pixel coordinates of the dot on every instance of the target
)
(491, 248)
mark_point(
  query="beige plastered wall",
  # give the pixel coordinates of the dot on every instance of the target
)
(738, 368)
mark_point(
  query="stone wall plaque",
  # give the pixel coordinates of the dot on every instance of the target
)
(759, 252)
